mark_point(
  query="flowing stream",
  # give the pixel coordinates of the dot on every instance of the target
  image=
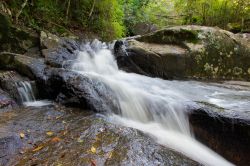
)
(27, 96)
(155, 106)
(25, 91)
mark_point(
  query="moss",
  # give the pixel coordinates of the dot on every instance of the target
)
(171, 36)
(4, 30)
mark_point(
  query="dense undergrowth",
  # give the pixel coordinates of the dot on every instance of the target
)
(110, 19)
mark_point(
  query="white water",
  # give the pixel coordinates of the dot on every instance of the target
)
(27, 95)
(154, 106)
(37, 103)
(25, 91)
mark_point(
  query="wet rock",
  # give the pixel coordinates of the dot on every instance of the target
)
(30, 67)
(64, 53)
(187, 51)
(9, 146)
(81, 138)
(78, 90)
(6, 102)
(227, 136)
(10, 80)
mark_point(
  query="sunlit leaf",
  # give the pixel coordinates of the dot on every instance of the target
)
(49, 133)
(93, 149)
(37, 149)
(22, 135)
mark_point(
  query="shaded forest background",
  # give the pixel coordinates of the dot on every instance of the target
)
(111, 19)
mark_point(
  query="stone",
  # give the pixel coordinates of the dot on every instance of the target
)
(48, 40)
(9, 81)
(186, 52)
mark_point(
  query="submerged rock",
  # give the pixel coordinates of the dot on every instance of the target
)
(187, 51)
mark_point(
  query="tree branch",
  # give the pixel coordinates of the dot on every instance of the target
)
(23, 6)
(92, 9)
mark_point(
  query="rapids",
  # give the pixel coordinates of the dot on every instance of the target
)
(155, 106)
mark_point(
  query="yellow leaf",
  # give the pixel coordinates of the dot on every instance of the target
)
(37, 149)
(79, 140)
(93, 149)
(56, 139)
(110, 155)
(49, 133)
(22, 135)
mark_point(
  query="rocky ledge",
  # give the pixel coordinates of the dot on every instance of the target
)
(187, 52)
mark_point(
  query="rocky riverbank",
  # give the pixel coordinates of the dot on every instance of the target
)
(46, 135)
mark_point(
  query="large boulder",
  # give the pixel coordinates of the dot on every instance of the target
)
(71, 88)
(186, 51)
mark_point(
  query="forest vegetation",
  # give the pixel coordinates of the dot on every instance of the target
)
(111, 19)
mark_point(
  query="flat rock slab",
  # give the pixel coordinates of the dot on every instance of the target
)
(55, 135)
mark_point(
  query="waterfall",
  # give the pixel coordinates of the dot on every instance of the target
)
(27, 96)
(25, 91)
(152, 105)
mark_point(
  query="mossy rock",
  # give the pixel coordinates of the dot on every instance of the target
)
(14, 39)
(188, 52)
(171, 36)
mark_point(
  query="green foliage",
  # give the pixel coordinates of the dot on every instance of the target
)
(214, 12)
(177, 12)
(103, 17)
(112, 19)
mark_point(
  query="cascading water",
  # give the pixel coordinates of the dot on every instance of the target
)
(25, 91)
(27, 96)
(152, 105)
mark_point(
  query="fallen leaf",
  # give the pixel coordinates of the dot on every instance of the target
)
(49, 133)
(93, 163)
(21, 152)
(79, 140)
(110, 155)
(37, 149)
(56, 139)
(93, 149)
(22, 135)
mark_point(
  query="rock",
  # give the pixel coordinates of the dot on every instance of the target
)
(227, 136)
(244, 35)
(14, 39)
(48, 40)
(10, 80)
(88, 138)
(9, 145)
(76, 89)
(186, 51)
(63, 54)
(6, 102)
(30, 67)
